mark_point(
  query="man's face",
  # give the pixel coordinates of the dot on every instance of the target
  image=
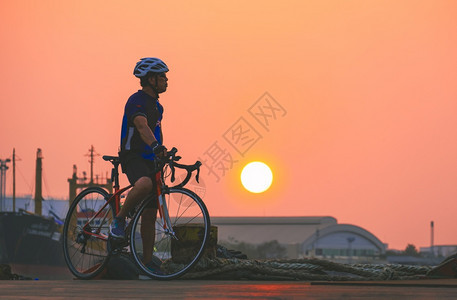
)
(162, 82)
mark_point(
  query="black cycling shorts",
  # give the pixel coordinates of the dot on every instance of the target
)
(135, 167)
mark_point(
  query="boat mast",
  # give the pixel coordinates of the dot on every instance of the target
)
(3, 168)
(14, 179)
(38, 194)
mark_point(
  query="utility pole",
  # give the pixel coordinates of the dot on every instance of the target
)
(76, 183)
(432, 238)
(3, 168)
(14, 180)
(91, 154)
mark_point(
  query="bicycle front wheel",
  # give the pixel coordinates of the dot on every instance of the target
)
(173, 251)
(85, 235)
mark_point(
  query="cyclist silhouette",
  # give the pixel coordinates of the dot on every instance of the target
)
(141, 143)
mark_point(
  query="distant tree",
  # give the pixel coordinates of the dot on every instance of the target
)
(248, 249)
(411, 250)
(271, 249)
(393, 253)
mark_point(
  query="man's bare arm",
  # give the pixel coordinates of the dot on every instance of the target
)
(141, 124)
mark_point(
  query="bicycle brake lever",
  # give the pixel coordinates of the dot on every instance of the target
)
(172, 173)
(198, 172)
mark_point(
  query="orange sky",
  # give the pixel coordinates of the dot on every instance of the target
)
(367, 130)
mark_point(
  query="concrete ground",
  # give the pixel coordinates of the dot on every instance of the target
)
(211, 289)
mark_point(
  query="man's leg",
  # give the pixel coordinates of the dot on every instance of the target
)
(148, 219)
(140, 190)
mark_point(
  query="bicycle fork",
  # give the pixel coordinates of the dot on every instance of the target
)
(162, 207)
(164, 215)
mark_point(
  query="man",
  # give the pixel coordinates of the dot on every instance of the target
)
(141, 143)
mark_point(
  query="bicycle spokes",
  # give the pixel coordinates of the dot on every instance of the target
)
(86, 232)
(173, 247)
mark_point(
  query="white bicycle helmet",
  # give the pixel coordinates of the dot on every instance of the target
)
(149, 64)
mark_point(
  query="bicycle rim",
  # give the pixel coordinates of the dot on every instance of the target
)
(173, 254)
(86, 255)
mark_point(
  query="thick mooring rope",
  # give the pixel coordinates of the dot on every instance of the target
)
(300, 269)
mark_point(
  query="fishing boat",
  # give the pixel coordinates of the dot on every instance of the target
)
(32, 245)
(29, 242)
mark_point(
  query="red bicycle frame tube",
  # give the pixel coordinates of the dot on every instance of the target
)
(117, 201)
(116, 197)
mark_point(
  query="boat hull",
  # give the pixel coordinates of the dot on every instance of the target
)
(32, 245)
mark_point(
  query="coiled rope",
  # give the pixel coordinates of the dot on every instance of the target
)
(300, 269)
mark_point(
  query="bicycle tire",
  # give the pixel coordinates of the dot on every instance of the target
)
(185, 209)
(86, 256)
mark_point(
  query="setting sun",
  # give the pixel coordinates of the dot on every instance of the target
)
(256, 177)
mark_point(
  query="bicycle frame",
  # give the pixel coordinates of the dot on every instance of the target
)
(162, 207)
(116, 197)
(161, 203)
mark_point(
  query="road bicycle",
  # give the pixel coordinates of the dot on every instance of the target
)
(182, 227)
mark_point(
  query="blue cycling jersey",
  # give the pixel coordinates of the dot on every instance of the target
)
(141, 104)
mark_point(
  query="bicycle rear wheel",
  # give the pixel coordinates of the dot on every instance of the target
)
(173, 254)
(86, 254)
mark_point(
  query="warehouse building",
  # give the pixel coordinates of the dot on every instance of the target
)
(320, 237)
